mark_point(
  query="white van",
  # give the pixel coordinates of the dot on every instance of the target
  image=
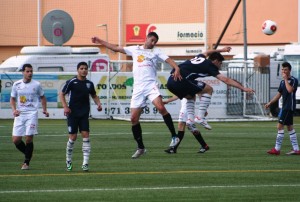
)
(56, 59)
(291, 54)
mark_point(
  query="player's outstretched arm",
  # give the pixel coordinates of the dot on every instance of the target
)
(234, 83)
(110, 46)
(170, 99)
(225, 49)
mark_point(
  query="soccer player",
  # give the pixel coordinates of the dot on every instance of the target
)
(24, 101)
(188, 86)
(182, 123)
(287, 89)
(205, 98)
(77, 111)
(145, 59)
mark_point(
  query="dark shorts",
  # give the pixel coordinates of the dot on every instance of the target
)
(285, 117)
(81, 123)
(184, 87)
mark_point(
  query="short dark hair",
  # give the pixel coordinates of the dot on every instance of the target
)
(216, 56)
(82, 63)
(26, 65)
(288, 65)
(153, 34)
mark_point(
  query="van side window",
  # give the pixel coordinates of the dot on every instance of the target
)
(50, 69)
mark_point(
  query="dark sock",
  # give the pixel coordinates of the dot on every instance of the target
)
(180, 135)
(199, 138)
(137, 134)
(28, 152)
(21, 147)
(169, 122)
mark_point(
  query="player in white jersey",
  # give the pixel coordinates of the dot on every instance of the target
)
(182, 123)
(24, 101)
(145, 60)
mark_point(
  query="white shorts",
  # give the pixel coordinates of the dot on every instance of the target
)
(140, 96)
(26, 124)
(183, 113)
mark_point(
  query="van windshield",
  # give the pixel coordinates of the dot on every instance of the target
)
(8, 69)
(294, 60)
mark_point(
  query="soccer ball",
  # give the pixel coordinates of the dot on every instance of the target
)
(269, 27)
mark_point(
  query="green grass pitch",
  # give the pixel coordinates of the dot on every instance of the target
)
(236, 168)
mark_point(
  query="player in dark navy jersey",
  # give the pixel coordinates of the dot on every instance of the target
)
(79, 97)
(188, 87)
(206, 69)
(182, 119)
(199, 67)
(79, 89)
(287, 90)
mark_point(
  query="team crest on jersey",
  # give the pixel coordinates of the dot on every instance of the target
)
(88, 85)
(23, 99)
(200, 84)
(140, 58)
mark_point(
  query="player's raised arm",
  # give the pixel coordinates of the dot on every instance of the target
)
(110, 46)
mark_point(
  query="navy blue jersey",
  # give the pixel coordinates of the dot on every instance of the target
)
(79, 92)
(289, 99)
(198, 67)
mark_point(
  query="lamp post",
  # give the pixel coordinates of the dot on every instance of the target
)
(108, 75)
(106, 32)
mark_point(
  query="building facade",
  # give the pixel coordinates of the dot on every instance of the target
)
(185, 27)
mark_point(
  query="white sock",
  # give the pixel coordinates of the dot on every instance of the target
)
(293, 139)
(279, 139)
(69, 150)
(190, 109)
(86, 150)
(205, 100)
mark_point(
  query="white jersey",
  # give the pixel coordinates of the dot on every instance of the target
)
(27, 95)
(144, 64)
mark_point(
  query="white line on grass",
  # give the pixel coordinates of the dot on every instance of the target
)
(148, 173)
(104, 134)
(148, 188)
(91, 134)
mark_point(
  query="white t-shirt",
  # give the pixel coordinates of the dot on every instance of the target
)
(27, 95)
(144, 63)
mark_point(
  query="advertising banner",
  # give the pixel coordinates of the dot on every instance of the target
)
(121, 90)
(115, 98)
(168, 33)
